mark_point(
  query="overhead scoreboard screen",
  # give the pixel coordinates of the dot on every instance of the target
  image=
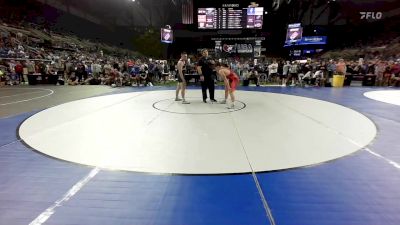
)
(294, 34)
(167, 35)
(230, 18)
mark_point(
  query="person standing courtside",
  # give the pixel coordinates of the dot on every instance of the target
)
(205, 70)
(181, 79)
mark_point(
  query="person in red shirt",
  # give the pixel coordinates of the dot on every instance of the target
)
(396, 67)
(231, 80)
(395, 79)
(19, 69)
(387, 74)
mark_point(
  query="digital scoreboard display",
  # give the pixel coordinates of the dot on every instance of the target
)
(167, 35)
(294, 34)
(230, 18)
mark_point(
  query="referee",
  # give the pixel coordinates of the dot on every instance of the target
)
(205, 70)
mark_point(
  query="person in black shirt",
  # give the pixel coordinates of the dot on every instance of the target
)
(81, 73)
(205, 70)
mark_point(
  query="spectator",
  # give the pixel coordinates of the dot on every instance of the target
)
(341, 68)
(252, 76)
(81, 74)
(293, 73)
(73, 80)
(273, 70)
(19, 71)
(395, 78)
(379, 72)
(331, 68)
(285, 73)
(387, 74)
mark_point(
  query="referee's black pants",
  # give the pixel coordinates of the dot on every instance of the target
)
(208, 84)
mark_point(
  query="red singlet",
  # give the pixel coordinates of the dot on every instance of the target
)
(233, 80)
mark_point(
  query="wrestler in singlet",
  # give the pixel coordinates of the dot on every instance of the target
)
(181, 86)
(231, 80)
(183, 69)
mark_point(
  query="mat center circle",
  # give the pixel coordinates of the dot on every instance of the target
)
(196, 106)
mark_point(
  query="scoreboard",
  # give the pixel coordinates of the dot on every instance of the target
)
(230, 18)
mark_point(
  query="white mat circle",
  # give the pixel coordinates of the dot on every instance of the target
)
(125, 132)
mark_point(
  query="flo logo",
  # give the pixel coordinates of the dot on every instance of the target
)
(371, 15)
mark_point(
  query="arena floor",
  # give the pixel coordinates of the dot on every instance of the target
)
(290, 156)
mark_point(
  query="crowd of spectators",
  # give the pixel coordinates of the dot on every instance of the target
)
(317, 72)
(40, 56)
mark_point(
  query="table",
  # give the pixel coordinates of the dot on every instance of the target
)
(38, 78)
(195, 76)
